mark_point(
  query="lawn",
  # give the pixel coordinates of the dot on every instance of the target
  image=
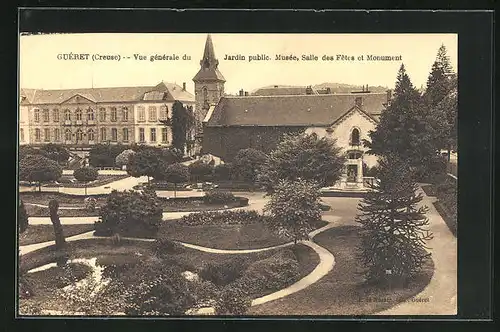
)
(251, 236)
(44, 233)
(128, 256)
(342, 291)
(38, 211)
(241, 236)
(68, 200)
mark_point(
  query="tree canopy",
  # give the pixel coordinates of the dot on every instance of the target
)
(56, 152)
(37, 168)
(248, 163)
(293, 208)
(304, 156)
(404, 129)
(182, 121)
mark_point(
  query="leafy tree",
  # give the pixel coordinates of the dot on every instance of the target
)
(176, 173)
(200, 170)
(104, 155)
(293, 207)
(394, 233)
(145, 162)
(182, 121)
(36, 168)
(404, 130)
(56, 152)
(123, 158)
(85, 175)
(304, 156)
(26, 150)
(22, 217)
(131, 213)
(248, 163)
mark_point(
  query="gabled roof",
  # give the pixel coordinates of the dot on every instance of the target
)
(170, 92)
(291, 110)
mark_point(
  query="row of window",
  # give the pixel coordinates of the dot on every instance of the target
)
(90, 135)
(90, 114)
(152, 113)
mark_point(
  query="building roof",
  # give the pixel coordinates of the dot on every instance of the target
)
(291, 110)
(163, 91)
(282, 91)
(209, 64)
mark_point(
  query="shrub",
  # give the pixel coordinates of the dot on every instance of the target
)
(166, 246)
(104, 155)
(218, 197)
(222, 172)
(90, 204)
(239, 217)
(273, 273)
(232, 301)
(222, 273)
(161, 291)
(130, 214)
(200, 171)
(56, 152)
(204, 292)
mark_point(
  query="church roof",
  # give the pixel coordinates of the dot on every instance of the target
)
(291, 110)
(163, 91)
(209, 64)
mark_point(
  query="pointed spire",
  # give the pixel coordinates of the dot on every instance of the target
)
(209, 64)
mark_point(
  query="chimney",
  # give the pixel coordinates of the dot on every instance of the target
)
(184, 86)
(389, 95)
(241, 93)
(359, 101)
(309, 90)
(328, 90)
(246, 93)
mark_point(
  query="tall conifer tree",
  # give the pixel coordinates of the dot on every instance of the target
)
(394, 232)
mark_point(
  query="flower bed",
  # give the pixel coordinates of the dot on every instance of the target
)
(64, 199)
(66, 181)
(44, 233)
(39, 211)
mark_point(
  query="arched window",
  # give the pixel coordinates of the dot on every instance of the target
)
(67, 134)
(67, 115)
(90, 114)
(78, 114)
(79, 135)
(91, 134)
(355, 136)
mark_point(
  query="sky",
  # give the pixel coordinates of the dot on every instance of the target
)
(41, 68)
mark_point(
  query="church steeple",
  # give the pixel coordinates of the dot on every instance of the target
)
(209, 65)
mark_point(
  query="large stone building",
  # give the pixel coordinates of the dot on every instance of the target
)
(83, 117)
(260, 120)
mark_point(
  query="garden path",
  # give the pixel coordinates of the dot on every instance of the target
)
(440, 295)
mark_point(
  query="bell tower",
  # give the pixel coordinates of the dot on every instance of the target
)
(208, 84)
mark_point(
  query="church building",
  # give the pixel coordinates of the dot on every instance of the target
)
(231, 123)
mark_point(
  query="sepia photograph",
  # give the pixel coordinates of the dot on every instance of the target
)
(237, 174)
